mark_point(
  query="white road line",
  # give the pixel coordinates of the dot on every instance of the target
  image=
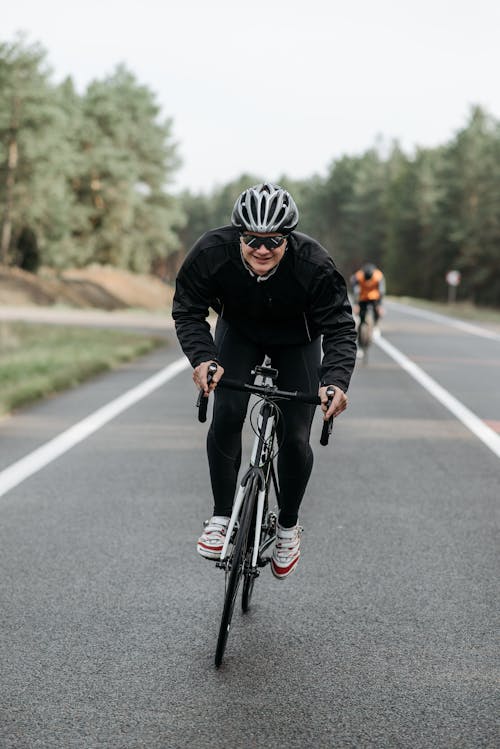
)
(451, 321)
(468, 419)
(38, 459)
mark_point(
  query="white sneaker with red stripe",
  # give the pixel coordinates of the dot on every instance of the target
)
(286, 551)
(212, 539)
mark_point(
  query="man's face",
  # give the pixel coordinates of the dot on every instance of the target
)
(260, 258)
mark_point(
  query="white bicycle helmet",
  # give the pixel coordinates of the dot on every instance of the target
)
(265, 208)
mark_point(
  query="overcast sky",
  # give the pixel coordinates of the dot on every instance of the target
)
(279, 87)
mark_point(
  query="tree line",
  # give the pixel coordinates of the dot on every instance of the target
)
(416, 216)
(85, 178)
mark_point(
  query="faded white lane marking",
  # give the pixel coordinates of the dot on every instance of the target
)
(462, 413)
(42, 456)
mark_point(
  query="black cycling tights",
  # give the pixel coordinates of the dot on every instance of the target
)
(298, 368)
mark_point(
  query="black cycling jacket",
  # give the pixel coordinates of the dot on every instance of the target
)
(304, 298)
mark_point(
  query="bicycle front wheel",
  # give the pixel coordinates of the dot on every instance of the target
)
(246, 595)
(267, 536)
(237, 562)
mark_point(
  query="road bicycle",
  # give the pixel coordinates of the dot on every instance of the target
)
(365, 331)
(252, 526)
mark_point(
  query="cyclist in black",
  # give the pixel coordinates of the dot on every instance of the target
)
(276, 292)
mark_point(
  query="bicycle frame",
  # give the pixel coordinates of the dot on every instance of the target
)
(260, 467)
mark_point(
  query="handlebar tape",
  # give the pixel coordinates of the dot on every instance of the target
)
(326, 431)
(327, 425)
(202, 402)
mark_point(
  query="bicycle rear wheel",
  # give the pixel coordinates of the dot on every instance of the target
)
(365, 334)
(237, 562)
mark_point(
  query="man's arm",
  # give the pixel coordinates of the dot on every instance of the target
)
(355, 287)
(381, 287)
(332, 314)
(190, 310)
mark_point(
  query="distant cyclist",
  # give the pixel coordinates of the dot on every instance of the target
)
(368, 288)
(276, 292)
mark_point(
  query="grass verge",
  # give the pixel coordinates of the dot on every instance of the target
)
(39, 360)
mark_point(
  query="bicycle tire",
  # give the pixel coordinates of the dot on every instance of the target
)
(235, 574)
(365, 335)
(249, 579)
(246, 596)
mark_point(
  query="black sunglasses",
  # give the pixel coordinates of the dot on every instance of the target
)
(270, 243)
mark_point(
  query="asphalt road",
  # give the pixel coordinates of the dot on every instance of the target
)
(384, 637)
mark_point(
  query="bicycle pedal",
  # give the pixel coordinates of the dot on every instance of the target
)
(271, 521)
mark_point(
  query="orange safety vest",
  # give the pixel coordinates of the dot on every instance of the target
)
(369, 290)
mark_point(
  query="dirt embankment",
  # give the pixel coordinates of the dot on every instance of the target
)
(98, 287)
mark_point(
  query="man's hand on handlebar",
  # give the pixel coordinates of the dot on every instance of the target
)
(200, 374)
(338, 404)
